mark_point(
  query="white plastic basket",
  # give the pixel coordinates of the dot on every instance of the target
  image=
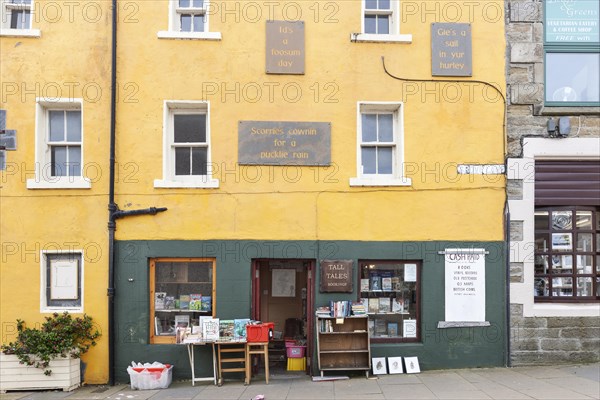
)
(148, 378)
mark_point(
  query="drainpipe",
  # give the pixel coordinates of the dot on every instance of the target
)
(507, 241)
(113, 210)
(111, 200)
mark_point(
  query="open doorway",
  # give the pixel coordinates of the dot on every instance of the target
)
(282, 293)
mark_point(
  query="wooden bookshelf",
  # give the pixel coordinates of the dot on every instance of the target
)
(343, 346)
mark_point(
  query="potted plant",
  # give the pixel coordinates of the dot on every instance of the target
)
(48, 356)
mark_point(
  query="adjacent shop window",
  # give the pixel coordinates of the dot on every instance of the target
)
(572, 53)
(61, 275)
(390, 292)
(188, 19)
(59, 145)
(182, 291)
(380, 145)
(567, 257)
(187, 146)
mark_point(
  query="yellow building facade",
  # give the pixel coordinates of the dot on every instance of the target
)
(396, 165)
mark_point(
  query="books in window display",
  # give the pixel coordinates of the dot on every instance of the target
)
(169, 302)
(184, 302)
(159, 300)
(398, 305)
(195, 302)
(380, 327)
(205, 303)
(364, 285)
(392, 328)
(374, 305)
(384, 305)
(386, 280)
(375, 282)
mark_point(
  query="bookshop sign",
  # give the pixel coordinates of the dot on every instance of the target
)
(465, 285)
(336, 276)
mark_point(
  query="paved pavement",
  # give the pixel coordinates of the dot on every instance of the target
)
(543, 382)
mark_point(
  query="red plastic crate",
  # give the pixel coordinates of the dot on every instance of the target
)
(259, 333)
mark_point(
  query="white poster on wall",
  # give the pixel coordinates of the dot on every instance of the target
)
(465, 285)
(284, 283)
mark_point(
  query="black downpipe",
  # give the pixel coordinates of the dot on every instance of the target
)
(507, 311)
(111, 201)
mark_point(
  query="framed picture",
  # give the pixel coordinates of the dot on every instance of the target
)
(412, 365)
(379, 367)
(395, 365)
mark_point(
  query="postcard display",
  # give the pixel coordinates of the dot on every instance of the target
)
(388, 292)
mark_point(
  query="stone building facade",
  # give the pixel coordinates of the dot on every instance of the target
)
(553, 150)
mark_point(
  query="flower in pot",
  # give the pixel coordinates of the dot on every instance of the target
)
(60, 335)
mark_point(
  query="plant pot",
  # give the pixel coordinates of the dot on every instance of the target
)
(66, 374)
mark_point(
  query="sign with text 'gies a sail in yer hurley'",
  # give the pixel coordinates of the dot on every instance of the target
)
(451, 52)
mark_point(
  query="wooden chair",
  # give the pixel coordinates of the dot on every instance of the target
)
(257, 349)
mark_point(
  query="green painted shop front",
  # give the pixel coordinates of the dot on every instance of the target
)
(437, 348)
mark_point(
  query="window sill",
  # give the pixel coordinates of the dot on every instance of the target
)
(60, 183)
(189, 35)
(34, 33)
(574, 110)
(61, 309)
(380, 181)
(206, 183)
(374, 38)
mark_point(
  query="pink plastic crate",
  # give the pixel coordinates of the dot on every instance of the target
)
(295, 351)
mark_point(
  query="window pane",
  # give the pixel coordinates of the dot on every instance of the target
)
(572, 77)
(190, 128)
(562, 286)
(73, 126)
(584, 264)
(384, 4)
(598, 220)
(182, 161)
(584, 242)
(371, 4)
(184, 3)
(541, 265)
(198, 23)
(597, 263)
(562, 220)
(370, 24)
(58, 160)
(57, 126)
(562, 242)
(199, 161)
(198, 3)
(584, 286)
(383, 24)
(368, 157)
(20, 1)
(369, 127)
(584, 220)
(384, 160)
(386, 128)
(541, 242)
(74, 165)
(562, 264)
(541, 286)
(186, 23)
(20, 19)
(541, 220)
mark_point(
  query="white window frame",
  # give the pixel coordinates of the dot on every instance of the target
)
(170, 180)
(393, 37)
(397, 177)
(174, 31)
(44, 307)
(43, 178)
(6, 7)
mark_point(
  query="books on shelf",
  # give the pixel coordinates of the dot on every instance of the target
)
(184, 301)
(392, 328)
(374, 305)
(205, 303)
(386, 280)
(398, 305)
(380, 327)
(182, 321)
(169, 302)
(358, 308)
(159, 300)
(364, 285)
(195, 302)
(375, 282)
(323, 312)
(384, 305)
(340, 309)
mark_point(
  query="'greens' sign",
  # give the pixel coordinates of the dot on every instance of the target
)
(572, 21)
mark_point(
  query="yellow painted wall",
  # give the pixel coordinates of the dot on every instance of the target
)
(280, 203)
(70, 59)
(445, 124)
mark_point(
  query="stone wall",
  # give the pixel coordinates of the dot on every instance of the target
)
(552, 340)
(527, 115)
(539, 340)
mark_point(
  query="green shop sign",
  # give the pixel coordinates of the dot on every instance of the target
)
(570, 21)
